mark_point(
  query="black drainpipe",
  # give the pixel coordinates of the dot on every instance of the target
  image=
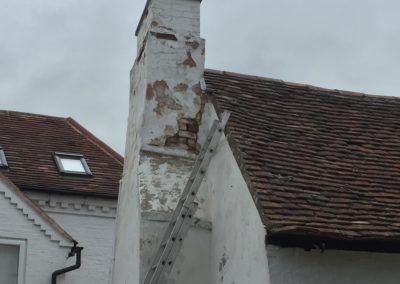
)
(75, 250)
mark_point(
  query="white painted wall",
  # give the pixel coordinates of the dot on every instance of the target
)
(192, 263)
(43, 256)
(238, 252)
(296, 266)
(91, 221)
(96, 235)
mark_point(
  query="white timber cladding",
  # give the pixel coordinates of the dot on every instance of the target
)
(91, 221)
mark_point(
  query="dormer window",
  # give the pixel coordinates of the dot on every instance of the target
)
(3, 160)
(71, 164)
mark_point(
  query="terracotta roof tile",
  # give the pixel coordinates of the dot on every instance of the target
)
(29, 140)
(319, 162)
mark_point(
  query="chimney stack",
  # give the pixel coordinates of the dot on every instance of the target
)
(168, 74)
(168, 121)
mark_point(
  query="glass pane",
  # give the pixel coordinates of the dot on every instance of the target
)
(72, 165)
(9, 264)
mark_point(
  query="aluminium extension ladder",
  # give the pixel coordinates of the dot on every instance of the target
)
(182, 217)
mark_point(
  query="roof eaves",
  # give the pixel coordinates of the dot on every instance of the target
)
(313, 241)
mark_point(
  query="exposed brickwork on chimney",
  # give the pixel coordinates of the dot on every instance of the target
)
(186, 137)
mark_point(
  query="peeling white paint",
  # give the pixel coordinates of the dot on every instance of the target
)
(161, 190)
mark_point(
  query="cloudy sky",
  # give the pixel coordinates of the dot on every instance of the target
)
(72, 57)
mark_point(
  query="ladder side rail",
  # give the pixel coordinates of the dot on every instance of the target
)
(177, 245)
(189, 184)
(157, 270)
(175, 221)
(180, 232)
(196, 169)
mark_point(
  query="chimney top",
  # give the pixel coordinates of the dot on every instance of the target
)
(144, 14)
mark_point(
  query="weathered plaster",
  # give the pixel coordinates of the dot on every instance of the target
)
(161, 190)
(296, 266)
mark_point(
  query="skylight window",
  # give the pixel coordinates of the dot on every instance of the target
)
(73, 164)
(3, 160)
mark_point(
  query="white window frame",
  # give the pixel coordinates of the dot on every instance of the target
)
(21, 258)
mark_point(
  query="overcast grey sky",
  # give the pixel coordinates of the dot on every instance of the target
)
(72, 57)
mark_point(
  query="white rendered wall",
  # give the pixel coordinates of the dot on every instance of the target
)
(127, 242)
(296, 266)
(192, 263)
(43, 256)
(238, 252)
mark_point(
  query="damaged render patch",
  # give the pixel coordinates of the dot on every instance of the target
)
(189, 62)
(196, 88)
(161, 190)
(186, 137)
(221, 265)
(164, 36)
(182, 87)
(163, 97)
(194, 44)
(222, 262)
(149, 92)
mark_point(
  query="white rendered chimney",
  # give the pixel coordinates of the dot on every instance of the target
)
(168, 120)
(167, 78)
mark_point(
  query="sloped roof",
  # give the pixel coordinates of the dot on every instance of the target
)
(319, 162)
(29, 140)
